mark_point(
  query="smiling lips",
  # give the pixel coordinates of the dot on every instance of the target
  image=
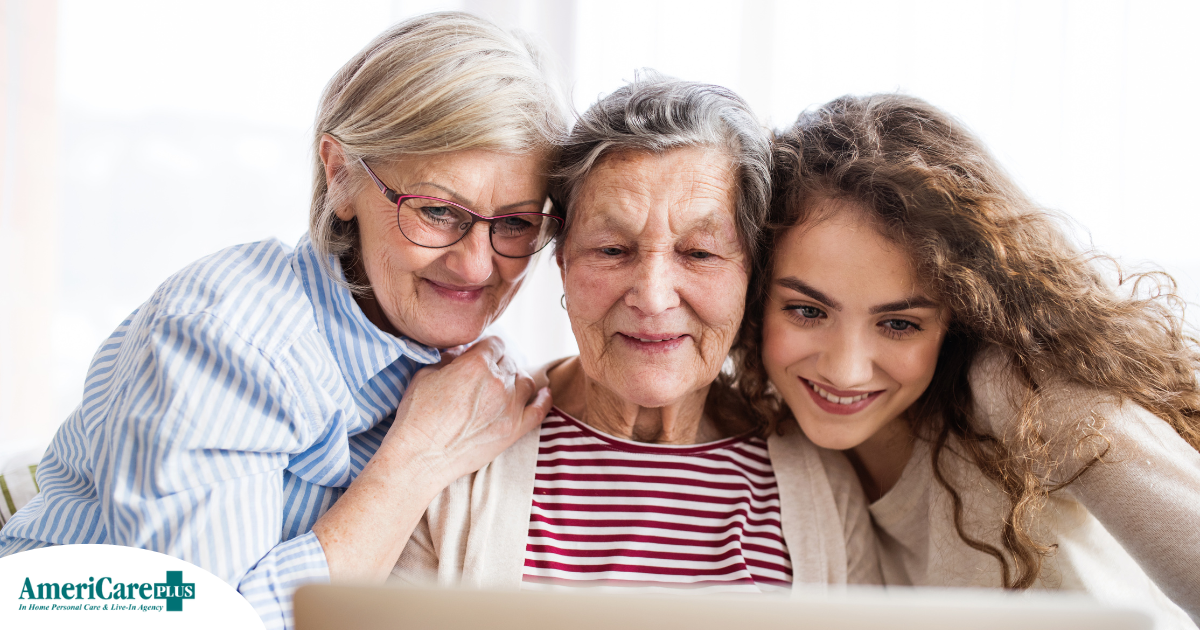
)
(654, 339)
(653, 342)
(840, 402)
(461, 294)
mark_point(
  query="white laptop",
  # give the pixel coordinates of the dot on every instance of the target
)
(327, 607)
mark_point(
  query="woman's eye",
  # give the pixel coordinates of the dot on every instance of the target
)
(898, 327)
(805, 314)
(700, 255)
(437, 214)
(512, 225)
(610, 251)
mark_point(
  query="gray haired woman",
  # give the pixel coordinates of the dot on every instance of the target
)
(280, 415)
(650, 471)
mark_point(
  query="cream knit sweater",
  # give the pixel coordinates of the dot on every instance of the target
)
(474, 532)
(1127, 531)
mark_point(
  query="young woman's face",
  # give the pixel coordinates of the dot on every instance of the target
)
(850, 338)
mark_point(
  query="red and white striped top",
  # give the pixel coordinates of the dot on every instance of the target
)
(611, 512)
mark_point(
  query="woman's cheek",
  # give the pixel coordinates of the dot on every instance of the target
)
(590, 290)
(776, 348)
(512, 270)
(718, 299)
(914, 365)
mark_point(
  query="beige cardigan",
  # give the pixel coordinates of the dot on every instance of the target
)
(1127, 531)
(474, 532)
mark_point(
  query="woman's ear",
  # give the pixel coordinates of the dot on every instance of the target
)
(334, 159)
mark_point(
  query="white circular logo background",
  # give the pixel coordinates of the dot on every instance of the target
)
(167, 592)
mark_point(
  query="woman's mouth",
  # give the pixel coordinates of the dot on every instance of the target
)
(839, 402)
(457, 293)
(653, 342)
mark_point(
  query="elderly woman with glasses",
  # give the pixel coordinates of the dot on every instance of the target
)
(650, 471)
(280, 415)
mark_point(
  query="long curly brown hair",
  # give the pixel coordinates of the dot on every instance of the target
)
(1009, 278)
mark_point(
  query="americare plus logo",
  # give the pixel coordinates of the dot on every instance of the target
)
(119, 595)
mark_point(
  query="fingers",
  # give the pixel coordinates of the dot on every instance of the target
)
(536, 411)
(450, 354)
(506, 364)
(490, 348)
(523, 387)
(419, 376)
(487, 353)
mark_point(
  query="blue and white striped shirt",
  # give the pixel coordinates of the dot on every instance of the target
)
(221, 420)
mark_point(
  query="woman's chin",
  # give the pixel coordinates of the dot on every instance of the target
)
(651, 390)
(441, 325)
(835, 438)
(440, 337)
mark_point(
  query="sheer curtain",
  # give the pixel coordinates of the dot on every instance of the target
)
(29, 221)
(139, 135)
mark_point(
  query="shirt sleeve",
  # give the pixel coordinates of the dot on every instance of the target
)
(270, 584)
(1146, 488)
(190, 458)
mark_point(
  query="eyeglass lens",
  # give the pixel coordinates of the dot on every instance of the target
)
(438, 223)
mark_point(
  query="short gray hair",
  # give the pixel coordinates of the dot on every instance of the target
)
(655, 113)
(438, 83)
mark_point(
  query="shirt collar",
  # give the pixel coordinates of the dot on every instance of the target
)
(362, 350)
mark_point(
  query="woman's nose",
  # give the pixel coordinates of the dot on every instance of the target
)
(846, 362)
(471, 258)
(653, 289)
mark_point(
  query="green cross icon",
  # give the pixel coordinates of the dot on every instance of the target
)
(175, 590)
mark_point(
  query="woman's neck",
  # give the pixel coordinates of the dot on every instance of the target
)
(880, 460)
(366, 302)
(681, 422)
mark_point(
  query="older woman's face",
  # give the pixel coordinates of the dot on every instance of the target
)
(444, 297)
(654, 274)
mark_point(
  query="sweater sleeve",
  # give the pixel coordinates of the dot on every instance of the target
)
(418, 562)
(1146, 488)
(1146, 493)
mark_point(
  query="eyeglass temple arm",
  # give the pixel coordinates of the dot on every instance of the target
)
(392, 195)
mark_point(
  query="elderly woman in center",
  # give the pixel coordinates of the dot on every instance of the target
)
(650, 471)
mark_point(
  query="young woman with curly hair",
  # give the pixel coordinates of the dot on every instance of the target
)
(1015, 419)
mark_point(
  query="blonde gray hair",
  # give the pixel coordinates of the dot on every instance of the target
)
(435, 84)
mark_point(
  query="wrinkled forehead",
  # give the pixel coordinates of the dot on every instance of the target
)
(681, 191)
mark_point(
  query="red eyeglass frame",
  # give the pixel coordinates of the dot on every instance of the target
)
(398, 199)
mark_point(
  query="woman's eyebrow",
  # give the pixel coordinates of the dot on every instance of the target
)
(918, 301)
(450, 194)
(512, 206)
(456, 198)
(799, 286)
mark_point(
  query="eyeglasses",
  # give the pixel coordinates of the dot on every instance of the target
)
(436, 223)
